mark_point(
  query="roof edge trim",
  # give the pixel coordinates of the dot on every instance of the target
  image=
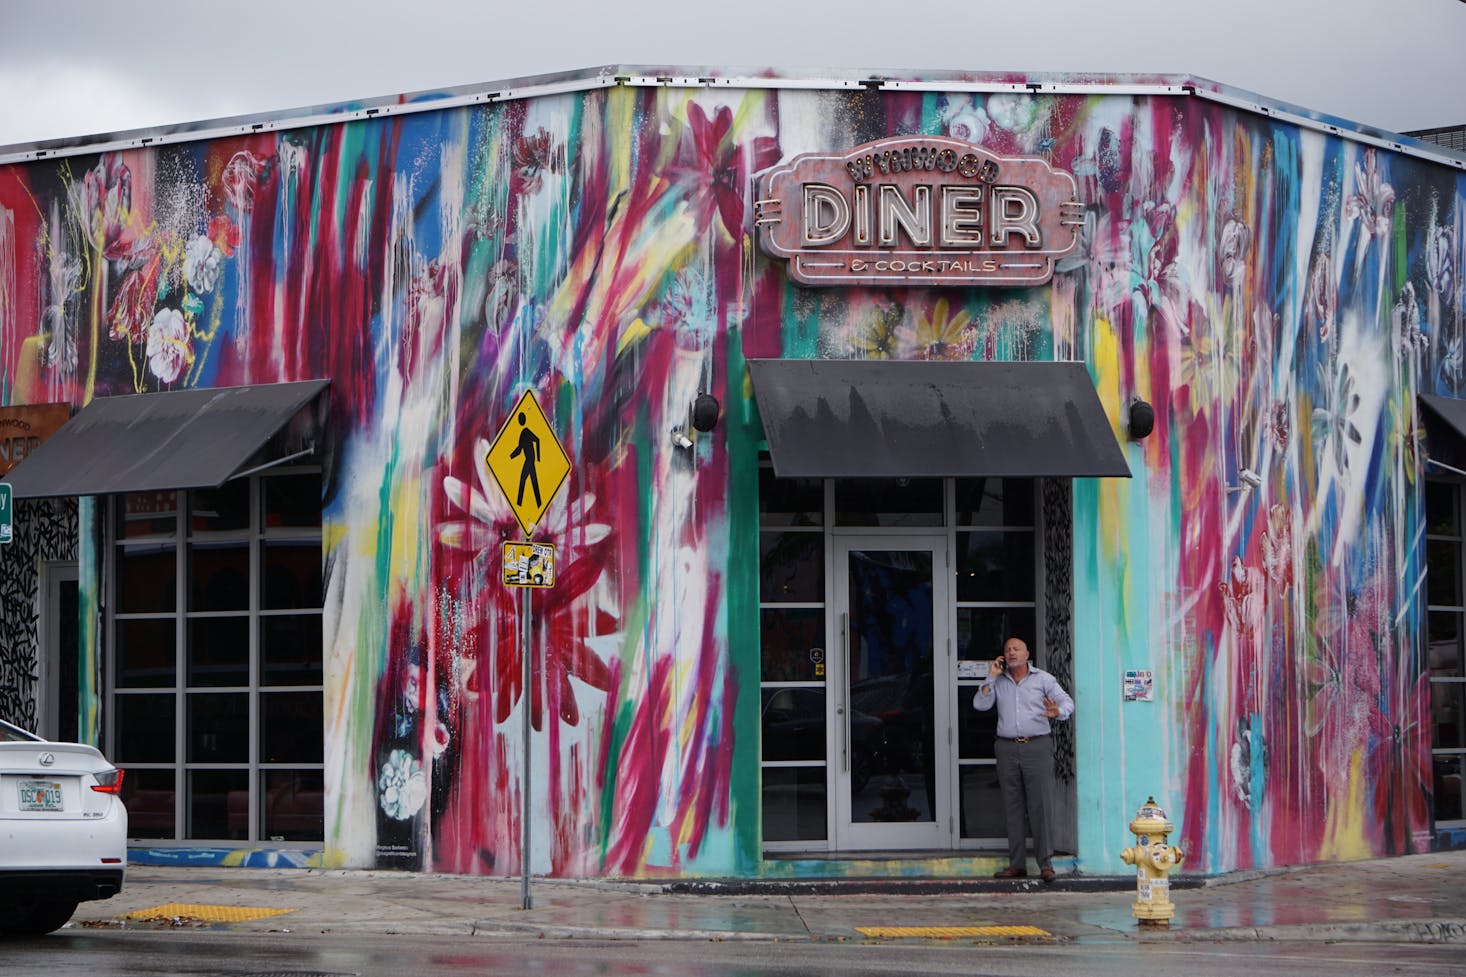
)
(558, 85)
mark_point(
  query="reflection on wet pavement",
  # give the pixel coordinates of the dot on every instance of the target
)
(1308, 896)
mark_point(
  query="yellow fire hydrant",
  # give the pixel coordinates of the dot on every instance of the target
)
(1154, 860)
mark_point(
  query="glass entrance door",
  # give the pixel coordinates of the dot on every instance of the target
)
(890, 713)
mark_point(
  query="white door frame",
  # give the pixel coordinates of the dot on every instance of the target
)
(847, 834)
(48, 699)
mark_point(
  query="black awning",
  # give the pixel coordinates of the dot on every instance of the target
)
(1445, 431)
(150, 442)
(862, 418)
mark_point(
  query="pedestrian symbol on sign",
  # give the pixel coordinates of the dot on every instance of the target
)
(529, 448)
(527, 462)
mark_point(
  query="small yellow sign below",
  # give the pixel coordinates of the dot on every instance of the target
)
(527, 462)
(529, 565)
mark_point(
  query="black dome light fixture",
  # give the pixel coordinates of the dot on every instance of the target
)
(1142, 419)
(705, 411)
(702, 417)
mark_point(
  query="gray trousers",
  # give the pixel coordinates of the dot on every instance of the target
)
(1026, 775)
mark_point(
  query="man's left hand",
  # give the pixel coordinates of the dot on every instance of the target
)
(1051, 708)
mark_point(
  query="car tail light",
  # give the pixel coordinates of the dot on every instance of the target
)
(109, 782)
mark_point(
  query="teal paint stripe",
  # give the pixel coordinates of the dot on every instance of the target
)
(743, 436)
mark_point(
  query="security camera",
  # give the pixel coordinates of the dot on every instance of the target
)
(680, 439)
(1250, 477)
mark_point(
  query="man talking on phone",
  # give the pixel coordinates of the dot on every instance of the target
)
(1027, 698)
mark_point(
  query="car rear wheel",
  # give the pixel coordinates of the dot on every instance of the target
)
(37, 918)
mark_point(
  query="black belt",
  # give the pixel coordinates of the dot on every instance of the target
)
(1022, 739)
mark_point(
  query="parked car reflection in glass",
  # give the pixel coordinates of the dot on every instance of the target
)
(794, 729)
(905, 771)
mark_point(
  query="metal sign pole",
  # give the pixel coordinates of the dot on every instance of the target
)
(526, 697)
(526, 454)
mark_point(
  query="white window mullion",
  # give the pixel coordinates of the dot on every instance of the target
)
(181, 565)
(255, 790)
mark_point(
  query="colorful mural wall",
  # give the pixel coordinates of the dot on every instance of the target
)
(46, 531)
(1279, 295)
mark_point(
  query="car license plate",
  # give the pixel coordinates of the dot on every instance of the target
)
(40, 795)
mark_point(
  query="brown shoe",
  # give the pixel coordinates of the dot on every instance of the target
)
(1047, 875)
(1011, 873)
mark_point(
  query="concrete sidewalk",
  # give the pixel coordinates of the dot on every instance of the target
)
(1418, 898)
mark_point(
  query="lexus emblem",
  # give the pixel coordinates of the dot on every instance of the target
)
(47, 759)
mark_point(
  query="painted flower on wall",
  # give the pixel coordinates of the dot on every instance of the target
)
(1026, 117)
(1333, 423)
(1246, 753)
(876, 334)
(1373, 201)
(1440, 261)
(502, 294)
(942, 335)
(688, 306)
(107, 204)
(169, 348)
(1410, 338)
(402, 787)
(482, 521)
(723, 167)
(964, 119)
(430, 294)
(64, 276)
(132, 309)
(533, 155)
(1162, 285)
(1243, 598)
(202, 262)
(1236, 243)
(241, 178)
(1322, 303)
(1280, 424)
(1451, 364)
(1352, 625)
(1277, 549)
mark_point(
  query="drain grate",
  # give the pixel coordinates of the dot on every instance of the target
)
(897, 932)
(208, 914)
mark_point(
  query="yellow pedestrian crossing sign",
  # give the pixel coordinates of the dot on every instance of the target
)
(527, 462)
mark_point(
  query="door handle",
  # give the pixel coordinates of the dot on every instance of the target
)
(844, 708)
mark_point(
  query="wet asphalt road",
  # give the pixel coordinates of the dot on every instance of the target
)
(176, 953)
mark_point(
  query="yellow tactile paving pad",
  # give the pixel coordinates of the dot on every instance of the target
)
(209, 914)
(894, 932)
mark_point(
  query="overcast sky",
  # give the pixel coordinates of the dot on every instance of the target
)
(75, 67)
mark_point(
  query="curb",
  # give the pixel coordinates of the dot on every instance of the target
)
(565, 932)
(889, 886)
(1432, 931)
(1420, 931)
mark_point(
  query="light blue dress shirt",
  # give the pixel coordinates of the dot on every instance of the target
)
(1021, 704)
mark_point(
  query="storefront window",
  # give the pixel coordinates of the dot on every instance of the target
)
(792, 632)
(1446, 625)
(990, 529)
(997, 598)
(217, 707)
(888, 501)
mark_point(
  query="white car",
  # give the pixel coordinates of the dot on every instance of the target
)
(63, 831)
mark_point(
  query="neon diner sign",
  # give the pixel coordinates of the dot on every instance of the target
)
(919, 210)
